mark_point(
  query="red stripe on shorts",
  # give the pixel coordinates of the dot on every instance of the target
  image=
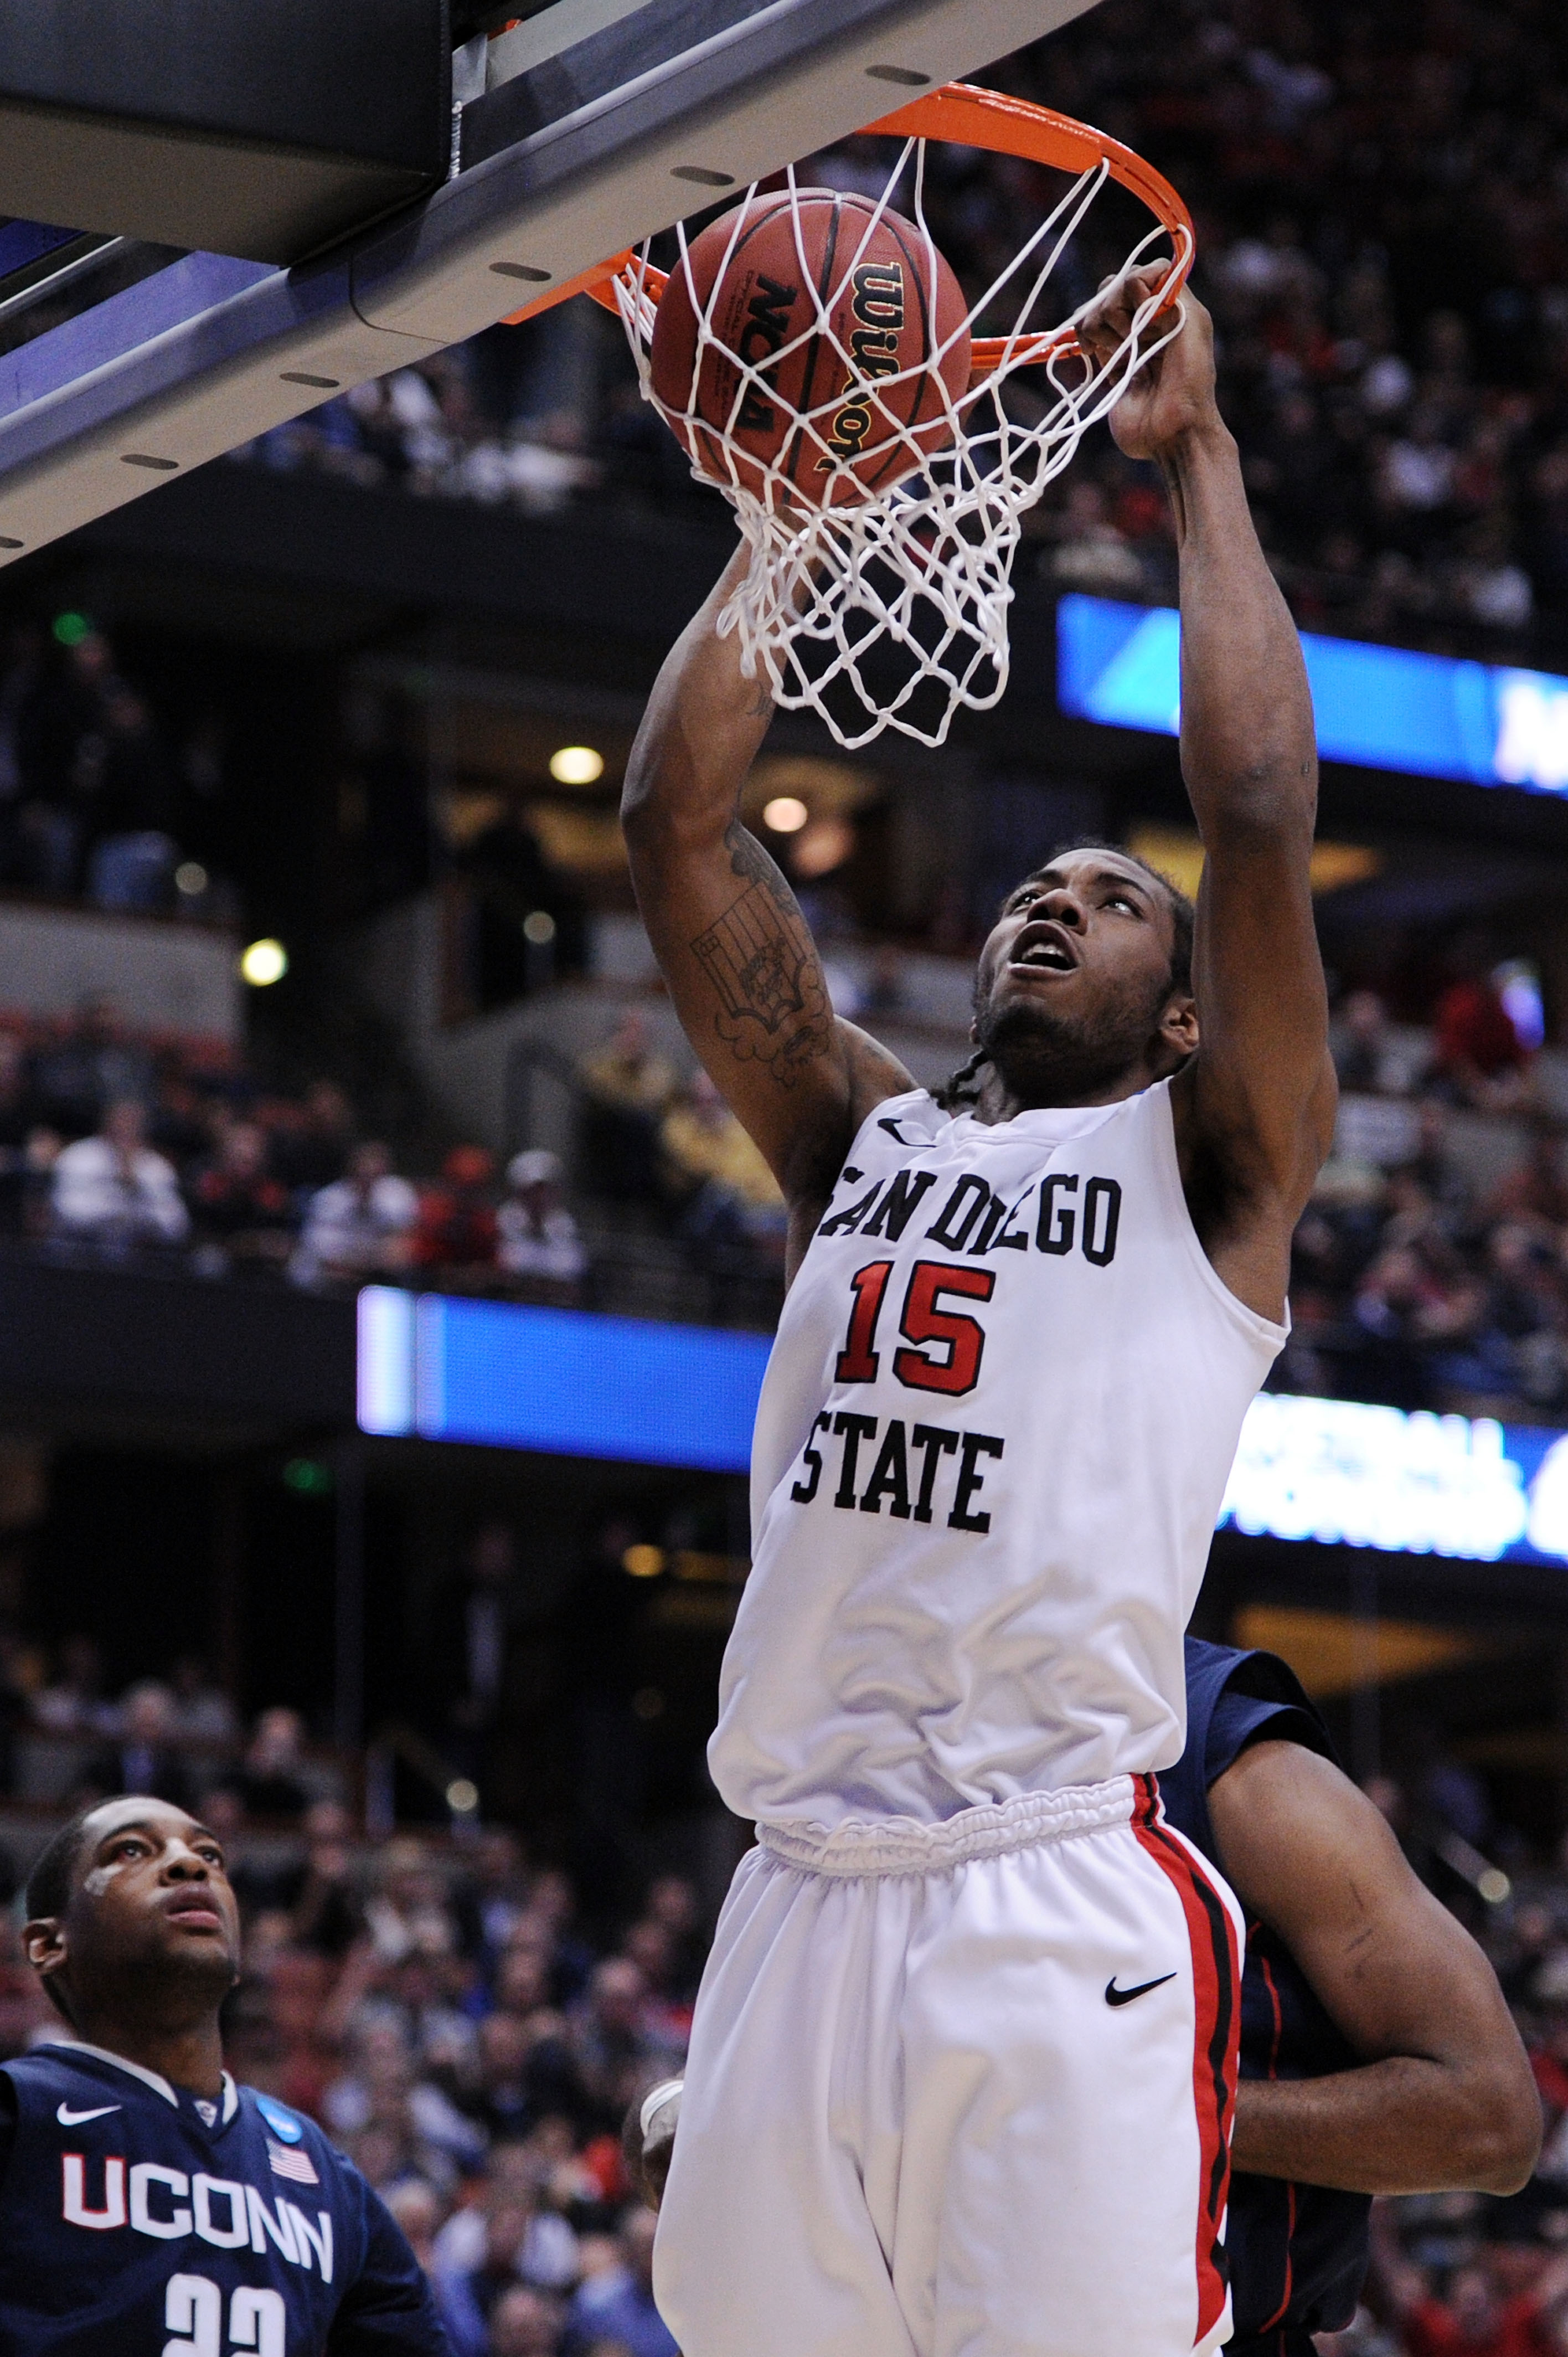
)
(1215, 1977)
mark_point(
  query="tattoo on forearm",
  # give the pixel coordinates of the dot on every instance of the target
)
(761, 961)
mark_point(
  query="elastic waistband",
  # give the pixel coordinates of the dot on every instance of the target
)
(903, 1846)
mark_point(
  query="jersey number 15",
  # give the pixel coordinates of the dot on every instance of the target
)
(945, 1346)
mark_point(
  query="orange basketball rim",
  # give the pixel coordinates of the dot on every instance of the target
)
(970, 117)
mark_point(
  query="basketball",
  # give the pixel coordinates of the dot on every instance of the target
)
(835, 308)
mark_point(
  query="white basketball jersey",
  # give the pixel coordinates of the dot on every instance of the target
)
(993, 1441)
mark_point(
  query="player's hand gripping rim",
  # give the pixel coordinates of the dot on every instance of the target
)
(1170, 398)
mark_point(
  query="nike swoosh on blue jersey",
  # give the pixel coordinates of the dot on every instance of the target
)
(69, 2119)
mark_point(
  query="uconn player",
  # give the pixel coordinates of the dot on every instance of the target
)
(149, 2207)
(1378, 2055)
(1021, 1336)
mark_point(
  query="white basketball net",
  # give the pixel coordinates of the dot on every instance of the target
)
(921, 570)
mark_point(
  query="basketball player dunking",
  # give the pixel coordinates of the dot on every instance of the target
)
(962, 2068)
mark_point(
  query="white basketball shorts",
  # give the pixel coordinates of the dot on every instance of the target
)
(962, 2091)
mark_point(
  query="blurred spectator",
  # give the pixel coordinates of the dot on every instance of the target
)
(1364, 1054)
(672, 1903)
(133, 854)
(95, 1065)
(1091, 553)
(73, 1703)
(1478, 1055)
(717, 1173)
(651, 1947)
(523, 2324)
(618, 2040)
(537, 1234)
(320, 1891)
(1477, 2319)
(359, 1226)
(508, 2096)
(273, 1779)
(312, 1149)
(1534, 1189)
(203, 1712)
(407, 1913)
(145, 1756)
(886, 990)
(418, 2212)
(508, 2236)
(455, 1230)
(494, 1896)
(242, 1211)
(618, 2306)
(113, 1192)
(1435, 1171)
(626, 1087)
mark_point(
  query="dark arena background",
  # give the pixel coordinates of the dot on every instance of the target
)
(384, 1293)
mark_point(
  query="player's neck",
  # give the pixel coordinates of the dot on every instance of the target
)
(188, 2055)
(1001, 1098)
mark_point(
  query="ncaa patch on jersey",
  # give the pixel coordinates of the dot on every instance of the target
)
(282, 2124)
(298, 2166)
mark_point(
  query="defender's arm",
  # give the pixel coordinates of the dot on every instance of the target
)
(741, 964)
(1446, 2098)
(1255, 1108)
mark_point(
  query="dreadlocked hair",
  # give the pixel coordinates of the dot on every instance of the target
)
(963, 1087)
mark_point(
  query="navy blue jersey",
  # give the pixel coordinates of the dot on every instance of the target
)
(1298, 2253)
(138, 2220)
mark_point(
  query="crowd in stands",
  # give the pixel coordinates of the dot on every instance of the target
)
(652, 1137)
(1430, 1270)
(114, 1148)
(96, 803)
(1383, 238)
(445, 2011)
(436, 2006)
(1459, 2275)
(1430, 1267)
(66, 1742)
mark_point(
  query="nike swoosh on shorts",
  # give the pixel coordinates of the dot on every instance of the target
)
(69, 2119)
(1114, 1996)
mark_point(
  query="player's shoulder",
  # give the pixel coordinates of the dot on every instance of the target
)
(1238, 1693)
(1246, 1670)
(52, 2072)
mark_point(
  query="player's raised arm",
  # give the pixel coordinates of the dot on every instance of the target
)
(735, 950)
(1255, 1109)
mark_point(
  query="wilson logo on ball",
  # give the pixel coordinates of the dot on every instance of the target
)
(811, 349)
(879, 306)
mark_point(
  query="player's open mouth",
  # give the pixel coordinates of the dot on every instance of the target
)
(195, 1915)
(1043, 949)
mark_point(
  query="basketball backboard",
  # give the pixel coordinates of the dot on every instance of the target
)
(586, 127)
